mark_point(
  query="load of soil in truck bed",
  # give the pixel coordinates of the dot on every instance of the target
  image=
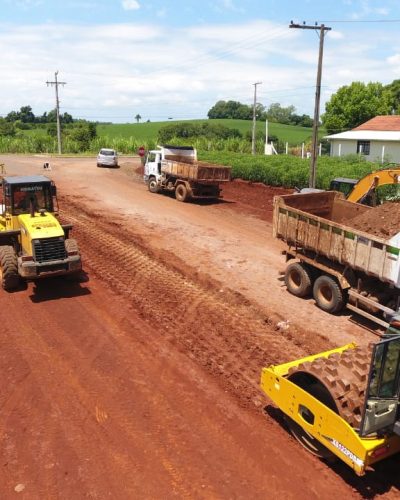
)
(382, 221)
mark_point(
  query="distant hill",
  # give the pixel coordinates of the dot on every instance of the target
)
(147, 131)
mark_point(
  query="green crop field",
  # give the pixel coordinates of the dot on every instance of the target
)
(148, 131)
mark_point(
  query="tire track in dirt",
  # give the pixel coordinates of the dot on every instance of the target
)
(226, 335)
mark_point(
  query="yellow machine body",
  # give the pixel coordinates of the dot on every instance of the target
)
(373, 180)
(329, 428)
(41, 245)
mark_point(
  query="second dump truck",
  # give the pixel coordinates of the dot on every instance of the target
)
(176, 169)
(337, 264)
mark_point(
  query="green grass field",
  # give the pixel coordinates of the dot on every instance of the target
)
(148, 131)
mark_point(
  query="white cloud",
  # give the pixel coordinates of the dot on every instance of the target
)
(112, 69)
(130, 5)
(335, 35)
(395, 59)
(222, 5)
(161, 13)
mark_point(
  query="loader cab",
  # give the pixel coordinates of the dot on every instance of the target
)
(381, 409)
(27, 195)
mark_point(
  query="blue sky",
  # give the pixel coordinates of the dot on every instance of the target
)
(175, 58)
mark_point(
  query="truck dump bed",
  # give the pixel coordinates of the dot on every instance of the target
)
(321, 223)
(197, 171)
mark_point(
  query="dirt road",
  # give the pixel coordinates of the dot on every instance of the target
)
(141, 381)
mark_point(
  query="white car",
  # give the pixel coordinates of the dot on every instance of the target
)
(107, 158)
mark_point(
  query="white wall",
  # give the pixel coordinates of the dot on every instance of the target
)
(392, 149)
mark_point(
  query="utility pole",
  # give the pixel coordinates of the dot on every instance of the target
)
(253, 135)
(56, 83)
(314, 148)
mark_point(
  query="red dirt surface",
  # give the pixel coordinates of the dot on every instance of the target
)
(141, 380)
(382, 221)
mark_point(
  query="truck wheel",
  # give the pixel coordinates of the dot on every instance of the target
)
(298, 279)
(181, 193)
(153, 186)
(8, 268)
(328, 295)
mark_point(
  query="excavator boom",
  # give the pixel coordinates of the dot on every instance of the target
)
(371, 181)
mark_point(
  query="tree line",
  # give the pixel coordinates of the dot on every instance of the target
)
(274, 113)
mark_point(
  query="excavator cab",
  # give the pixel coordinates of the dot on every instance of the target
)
(343, 185)
(381, 410)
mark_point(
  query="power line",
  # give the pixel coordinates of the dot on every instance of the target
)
(365, 21)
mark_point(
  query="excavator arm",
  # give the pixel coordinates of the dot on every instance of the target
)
(370, 182)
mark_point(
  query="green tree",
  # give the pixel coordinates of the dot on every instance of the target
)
(26, 115)
(231, 109)
(82, 133)
(6, 127)
(394, 90)
(12, 116)
(354, 104)
(279, 114)
(138, 118)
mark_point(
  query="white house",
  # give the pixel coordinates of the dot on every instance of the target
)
(377, 139)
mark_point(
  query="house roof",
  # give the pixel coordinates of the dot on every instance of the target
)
(367, 135)
(382, 123)
(380, 128)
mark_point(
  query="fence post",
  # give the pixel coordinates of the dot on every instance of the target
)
(286, 148)
(320, 149)
(302, 150)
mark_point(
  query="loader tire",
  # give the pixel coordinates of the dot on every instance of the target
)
(298, 279)
(9, 268)
(181, 192)
(153, 186)
(328, 295)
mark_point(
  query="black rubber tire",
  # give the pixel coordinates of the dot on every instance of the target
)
(298, 279)
(9, 268)
(328, 295)
(153, 185)
(181, 192)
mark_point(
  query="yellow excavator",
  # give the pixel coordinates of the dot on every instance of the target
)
(344, 402)
(364, 190)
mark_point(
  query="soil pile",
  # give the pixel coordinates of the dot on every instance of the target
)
(382, 221)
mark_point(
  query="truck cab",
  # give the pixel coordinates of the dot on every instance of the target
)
(152, 166)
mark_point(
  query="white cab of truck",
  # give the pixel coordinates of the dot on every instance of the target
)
(154, 158)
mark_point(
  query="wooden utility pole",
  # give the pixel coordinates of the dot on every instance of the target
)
(253, 135)
(56, 83)
(314, 148)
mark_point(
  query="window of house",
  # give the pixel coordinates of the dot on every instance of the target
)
(363, 147)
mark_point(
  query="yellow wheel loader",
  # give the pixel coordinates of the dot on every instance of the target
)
(33, 244)
(343, 402)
